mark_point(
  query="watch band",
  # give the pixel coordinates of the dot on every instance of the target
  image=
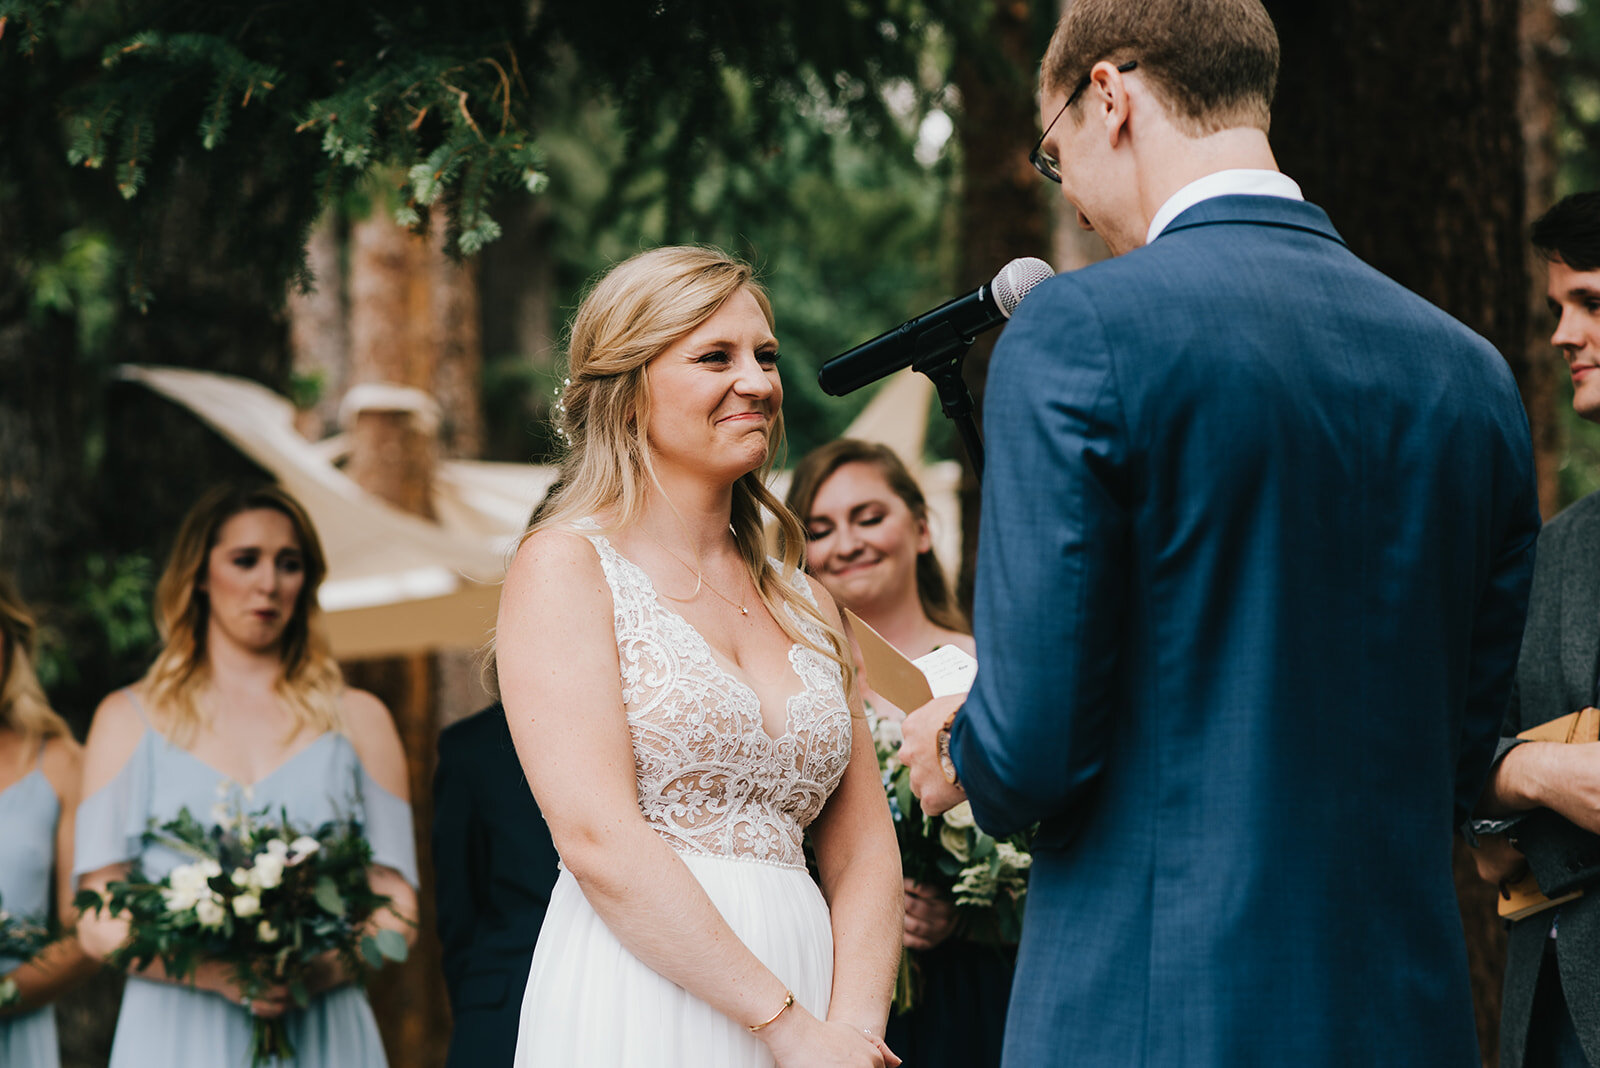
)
(946, 764)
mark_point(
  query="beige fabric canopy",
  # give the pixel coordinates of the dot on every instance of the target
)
(398, 583)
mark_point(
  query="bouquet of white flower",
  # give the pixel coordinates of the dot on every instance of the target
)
(260, 896)
(986, 877)
(21, 939)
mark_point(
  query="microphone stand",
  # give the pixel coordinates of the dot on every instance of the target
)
(941, 351)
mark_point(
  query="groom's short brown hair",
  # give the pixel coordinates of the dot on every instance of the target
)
(1213, 62)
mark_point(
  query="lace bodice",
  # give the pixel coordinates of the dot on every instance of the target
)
(711, 779)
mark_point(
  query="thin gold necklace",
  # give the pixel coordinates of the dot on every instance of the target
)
(699, 577)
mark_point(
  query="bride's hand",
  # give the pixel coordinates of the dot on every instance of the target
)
(800, 1040)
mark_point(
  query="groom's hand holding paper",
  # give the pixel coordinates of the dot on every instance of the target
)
(933, 687)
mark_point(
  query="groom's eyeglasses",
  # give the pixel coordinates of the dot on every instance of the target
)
(1042, 161)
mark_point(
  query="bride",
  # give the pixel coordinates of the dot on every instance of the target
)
(679, 703)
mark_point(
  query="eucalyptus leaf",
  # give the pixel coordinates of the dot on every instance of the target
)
(392, 945)
(328, 896)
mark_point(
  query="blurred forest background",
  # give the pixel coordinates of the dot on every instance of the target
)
(317, 195)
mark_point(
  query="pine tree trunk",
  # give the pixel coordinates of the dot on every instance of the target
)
(1003, 206)
(1537, 366)
(413, 322)
(319, 333)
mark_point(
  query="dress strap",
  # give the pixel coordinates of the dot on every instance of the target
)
(138, 706)
(38, 759)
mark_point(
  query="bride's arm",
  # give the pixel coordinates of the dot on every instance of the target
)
(859, 863)
(556, 656)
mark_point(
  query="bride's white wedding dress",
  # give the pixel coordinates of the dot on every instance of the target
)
(734, 803)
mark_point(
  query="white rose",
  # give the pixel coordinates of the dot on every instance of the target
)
(187, 878)
(960, 817)
(268, 872)
(303, 847)
(179, 900)
(278, 848)
(955, 843)
(240, 877)
(209, 868)
(245, 906)
(265, 932)
(210, 912)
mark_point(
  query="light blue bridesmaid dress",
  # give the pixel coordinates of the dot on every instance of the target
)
(29, 811)
(181, 1027)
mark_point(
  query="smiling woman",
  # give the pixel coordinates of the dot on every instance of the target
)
(683, 706)
(244, 705)
(869, 544)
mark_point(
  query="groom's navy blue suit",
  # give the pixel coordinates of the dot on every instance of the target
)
(1258, 527)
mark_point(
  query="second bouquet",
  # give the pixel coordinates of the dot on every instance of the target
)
(269, 900)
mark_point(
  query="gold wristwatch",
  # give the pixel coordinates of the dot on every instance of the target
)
(947, 765)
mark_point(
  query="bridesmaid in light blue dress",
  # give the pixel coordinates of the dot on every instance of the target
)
(244, 704)
(39, 769)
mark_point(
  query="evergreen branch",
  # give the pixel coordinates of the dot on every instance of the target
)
(461, 101)
(505, 86)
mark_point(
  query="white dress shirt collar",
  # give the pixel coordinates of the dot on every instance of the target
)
(1221, 184)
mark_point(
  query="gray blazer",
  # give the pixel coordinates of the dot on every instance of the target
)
(1556, 674)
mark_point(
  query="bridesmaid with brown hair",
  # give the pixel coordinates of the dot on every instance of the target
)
(870, 545)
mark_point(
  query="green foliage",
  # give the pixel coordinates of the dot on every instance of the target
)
(446, 97)
(116, 593)
(1575, 58)
(79, 282)
(849, 230)
(305, 390)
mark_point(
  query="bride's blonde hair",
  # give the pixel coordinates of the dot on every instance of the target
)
(23, 705)
(310, 684)
(628, 318)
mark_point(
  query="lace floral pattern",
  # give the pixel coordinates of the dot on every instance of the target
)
(711, 779)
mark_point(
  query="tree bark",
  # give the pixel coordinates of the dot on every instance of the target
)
(1003, 206)
(1537, 367)
(319, 333)
(414, 322)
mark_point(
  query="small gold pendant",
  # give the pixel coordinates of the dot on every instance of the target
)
(743, 611)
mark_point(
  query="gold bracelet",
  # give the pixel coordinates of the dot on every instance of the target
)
(788, 999)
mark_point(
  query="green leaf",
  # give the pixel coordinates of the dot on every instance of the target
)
(392, 945)
(328, 897)
(371, 953)
(902, 793)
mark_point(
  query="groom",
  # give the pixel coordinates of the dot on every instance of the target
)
(1258, 526)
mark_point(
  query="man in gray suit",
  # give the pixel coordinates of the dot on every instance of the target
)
(1552, 988)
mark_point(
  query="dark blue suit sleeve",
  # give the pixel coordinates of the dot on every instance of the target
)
(452, 820)
(1051, 567)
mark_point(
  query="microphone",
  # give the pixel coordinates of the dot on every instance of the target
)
(949, 328)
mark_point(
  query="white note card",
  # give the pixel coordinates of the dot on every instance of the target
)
(950, 670)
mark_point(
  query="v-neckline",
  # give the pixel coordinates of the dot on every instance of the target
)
(711, 654)
(35, 770)
(282, 764)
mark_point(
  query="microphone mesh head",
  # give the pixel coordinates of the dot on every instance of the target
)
(1016, 279)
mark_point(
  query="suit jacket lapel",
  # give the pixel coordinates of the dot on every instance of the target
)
(1580, 615)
